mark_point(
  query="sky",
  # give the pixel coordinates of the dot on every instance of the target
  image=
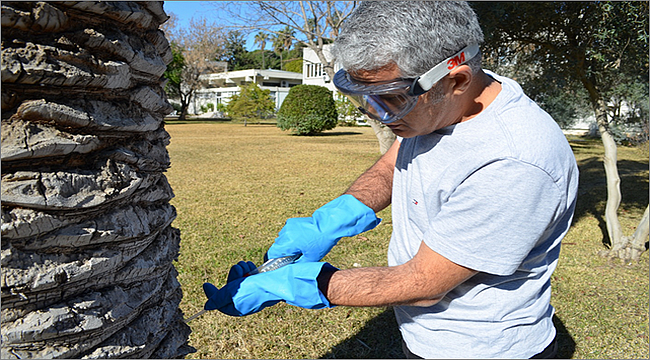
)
(185, 10)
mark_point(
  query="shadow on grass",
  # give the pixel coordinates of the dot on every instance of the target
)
(592, 189)
(566, 344)
(381, 339)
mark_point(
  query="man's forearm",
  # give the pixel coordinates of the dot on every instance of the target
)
(371, 286)
(422, 281)
(375, 187)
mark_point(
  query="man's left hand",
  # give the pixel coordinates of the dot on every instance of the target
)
(296, 284)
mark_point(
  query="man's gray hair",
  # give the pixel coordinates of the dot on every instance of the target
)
(414, 35)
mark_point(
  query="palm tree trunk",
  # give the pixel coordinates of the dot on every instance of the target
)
(87, 242)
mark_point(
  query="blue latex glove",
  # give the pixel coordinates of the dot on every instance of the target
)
(244, 295)
(314, 236)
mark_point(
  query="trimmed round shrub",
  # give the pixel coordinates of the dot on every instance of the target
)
(307, 110)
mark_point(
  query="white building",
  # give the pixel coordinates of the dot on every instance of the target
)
(221, 86)
(312, 69)
(583, 127)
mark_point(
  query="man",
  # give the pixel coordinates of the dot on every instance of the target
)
(482, 184)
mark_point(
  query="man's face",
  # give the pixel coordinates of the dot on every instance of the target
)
(428, 115)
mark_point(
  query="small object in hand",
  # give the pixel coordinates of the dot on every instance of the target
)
(273, 264)
(269, 265)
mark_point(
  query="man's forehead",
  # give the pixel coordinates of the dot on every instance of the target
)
(389, 71)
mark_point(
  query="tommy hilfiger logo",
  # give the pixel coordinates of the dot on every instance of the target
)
(415, 202)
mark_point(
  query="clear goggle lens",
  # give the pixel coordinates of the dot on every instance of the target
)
(385, 108)
(385, 102)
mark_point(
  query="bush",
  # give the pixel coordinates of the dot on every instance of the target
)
(307, 110)
(209, 107)
(347, 112)
(251, 102)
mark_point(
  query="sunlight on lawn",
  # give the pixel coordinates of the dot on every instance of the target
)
(235, 186)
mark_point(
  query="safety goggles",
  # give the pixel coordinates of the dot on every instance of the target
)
(388, 101)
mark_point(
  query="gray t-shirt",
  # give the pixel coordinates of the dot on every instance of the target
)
(495, 194)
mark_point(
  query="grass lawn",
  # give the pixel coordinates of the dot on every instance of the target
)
(235, 186)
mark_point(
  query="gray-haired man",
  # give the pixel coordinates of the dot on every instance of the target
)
(482, 184)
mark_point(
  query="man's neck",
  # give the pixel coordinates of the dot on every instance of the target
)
(485, 90)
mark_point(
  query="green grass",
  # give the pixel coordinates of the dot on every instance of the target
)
(235, 186)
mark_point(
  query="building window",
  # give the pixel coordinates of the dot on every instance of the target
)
(314, 70)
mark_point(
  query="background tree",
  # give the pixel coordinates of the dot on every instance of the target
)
(282, 42)
(315, 23)
(235, 51)
(253, 60)
(175, 86)
(601, 47)
(197, 50)
(260, 39)
(251, 102)
(294, 61)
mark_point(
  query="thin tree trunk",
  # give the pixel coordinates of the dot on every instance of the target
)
(639, 240)
(183, 113)
(613, 180)
(621, 246)
(87, 243)
(384, 135)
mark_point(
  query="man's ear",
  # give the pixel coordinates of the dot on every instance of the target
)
(460, 79)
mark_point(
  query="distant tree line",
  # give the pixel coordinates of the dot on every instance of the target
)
(285, 54)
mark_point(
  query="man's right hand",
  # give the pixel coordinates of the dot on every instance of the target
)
(314, 236)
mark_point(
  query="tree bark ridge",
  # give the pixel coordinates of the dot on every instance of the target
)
(87, 243)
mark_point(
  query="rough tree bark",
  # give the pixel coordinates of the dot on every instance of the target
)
(87, 242)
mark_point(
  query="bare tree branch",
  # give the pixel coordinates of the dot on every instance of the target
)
(311, 21)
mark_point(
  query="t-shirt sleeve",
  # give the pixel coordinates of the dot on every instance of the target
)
(493, 219)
